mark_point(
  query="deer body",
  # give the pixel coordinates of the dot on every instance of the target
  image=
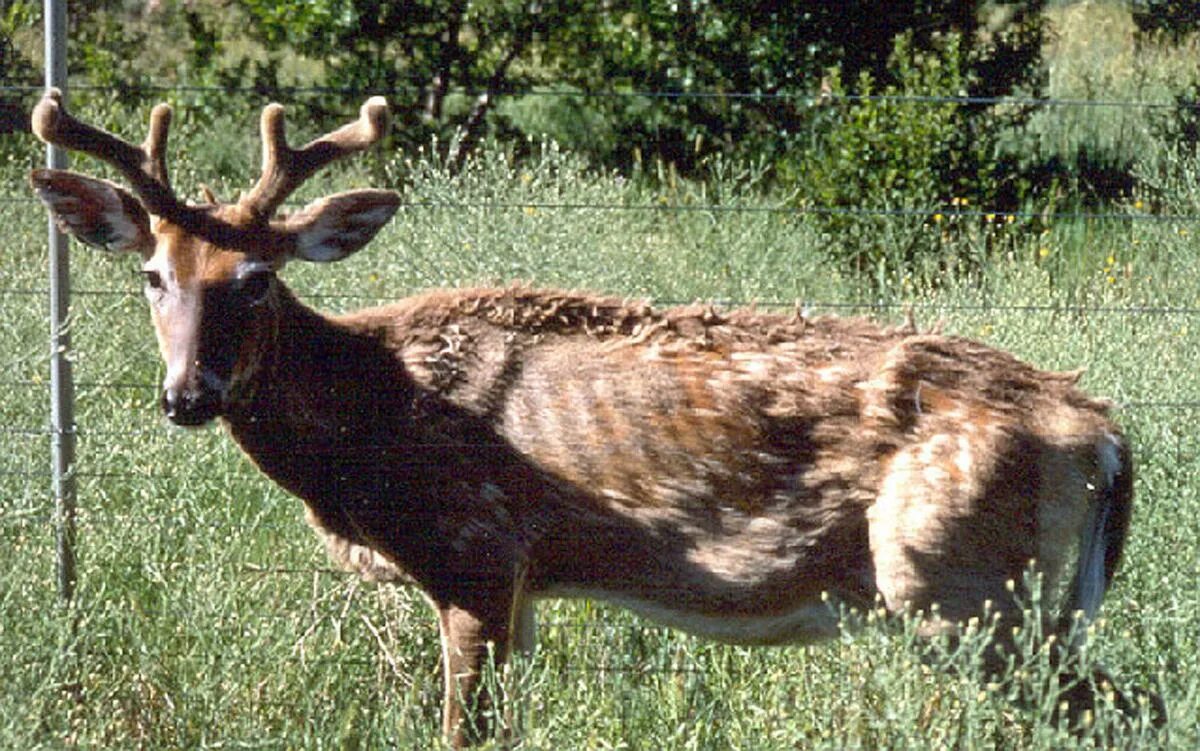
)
(691, 465)
(738, 474)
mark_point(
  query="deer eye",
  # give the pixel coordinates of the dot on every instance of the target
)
(154, 280)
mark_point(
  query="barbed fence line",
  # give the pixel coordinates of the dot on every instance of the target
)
(550, 91)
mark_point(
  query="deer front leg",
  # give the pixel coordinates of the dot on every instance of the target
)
(485, 627)
(469, 639)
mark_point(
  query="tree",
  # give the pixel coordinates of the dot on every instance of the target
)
(420, 51)
(681, 78)
(620, 80)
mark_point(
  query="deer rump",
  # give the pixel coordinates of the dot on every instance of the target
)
(732, 474)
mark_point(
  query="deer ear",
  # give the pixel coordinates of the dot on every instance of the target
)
(334, 227)
(96, 212)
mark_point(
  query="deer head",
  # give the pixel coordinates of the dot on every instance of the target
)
(210, 268)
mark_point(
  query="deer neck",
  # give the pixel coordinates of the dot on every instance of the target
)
(325, 415)
(320, 381)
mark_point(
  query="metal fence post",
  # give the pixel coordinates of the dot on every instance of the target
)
(62, 387)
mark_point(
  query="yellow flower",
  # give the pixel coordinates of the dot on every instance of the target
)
(937, 218)
(530, 210)
(1110, 261)
(1043, 251)
(1138, 204)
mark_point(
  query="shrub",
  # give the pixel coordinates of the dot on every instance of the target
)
(892, 163)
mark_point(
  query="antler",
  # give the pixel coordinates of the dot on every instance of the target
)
(145, 167)
(284, 168)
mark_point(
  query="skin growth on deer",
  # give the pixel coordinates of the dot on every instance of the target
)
(740, 475)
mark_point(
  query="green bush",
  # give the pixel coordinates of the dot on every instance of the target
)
(891, 164)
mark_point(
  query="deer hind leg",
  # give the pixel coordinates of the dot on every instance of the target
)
(956, 542)
(951, 539)
(1083, 516)
(948, 533)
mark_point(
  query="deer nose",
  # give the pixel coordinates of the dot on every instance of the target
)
(190, 407)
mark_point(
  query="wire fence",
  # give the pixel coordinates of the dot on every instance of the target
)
(93, 521)
(545, 91)
(941, 212)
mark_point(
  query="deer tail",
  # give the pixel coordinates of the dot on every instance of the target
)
(1106, 526)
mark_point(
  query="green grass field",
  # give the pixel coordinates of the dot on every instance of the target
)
(207, 617)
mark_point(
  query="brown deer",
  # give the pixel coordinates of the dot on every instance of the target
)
(736, 474)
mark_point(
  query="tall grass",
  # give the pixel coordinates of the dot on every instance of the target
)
(206, 616)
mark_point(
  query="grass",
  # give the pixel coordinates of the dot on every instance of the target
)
(207, 617)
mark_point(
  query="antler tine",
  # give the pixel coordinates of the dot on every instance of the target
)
(145, 167)
(155, 145)
(285, 169)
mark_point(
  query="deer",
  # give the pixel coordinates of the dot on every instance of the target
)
(739, 474)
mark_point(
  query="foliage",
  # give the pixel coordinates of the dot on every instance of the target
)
(769, 59)
(888, 163)
(17, 18)
(671, 81)
(1096, 155)
(1175, 17)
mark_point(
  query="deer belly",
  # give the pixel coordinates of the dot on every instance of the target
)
(812, 619)
(758, 580)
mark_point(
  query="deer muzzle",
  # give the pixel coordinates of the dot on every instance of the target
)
(194, 401)
(190, 407)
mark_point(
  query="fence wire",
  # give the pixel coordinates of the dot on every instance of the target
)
(417, 88)
(941, 213)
